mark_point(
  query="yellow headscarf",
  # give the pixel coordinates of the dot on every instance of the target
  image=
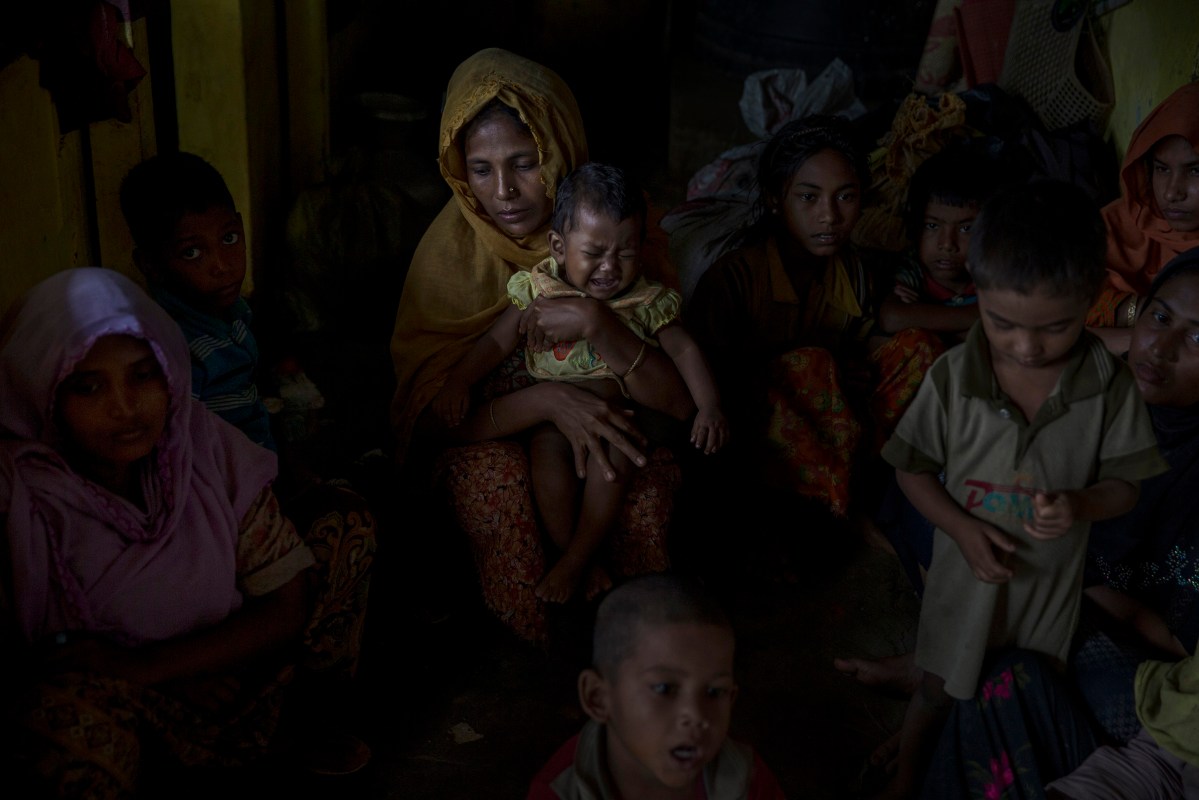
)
(456, 285)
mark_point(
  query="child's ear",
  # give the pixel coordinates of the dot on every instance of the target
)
(593, 695)
(557, 245)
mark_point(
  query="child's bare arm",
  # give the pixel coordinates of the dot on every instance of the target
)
(975, 538)
(896, 315)
(453, 401)
(710, 430)
(1055, 512)
(1142, 619)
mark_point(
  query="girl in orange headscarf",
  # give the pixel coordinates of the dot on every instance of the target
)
(1157, 216)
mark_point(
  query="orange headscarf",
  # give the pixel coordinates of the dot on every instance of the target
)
(456, 285)
(1139, 241)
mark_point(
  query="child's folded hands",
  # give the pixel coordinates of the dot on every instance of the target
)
(978, 543)
(906, 293)
(1053, 515)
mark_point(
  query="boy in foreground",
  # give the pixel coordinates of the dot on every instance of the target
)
(1037, 431)
(660, 695)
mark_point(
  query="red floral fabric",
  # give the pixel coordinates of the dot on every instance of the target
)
(86, 735)
(488, 486)
(814, 436)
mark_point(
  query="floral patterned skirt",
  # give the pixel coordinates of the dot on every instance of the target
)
(89, 736)
(814, 436)
(489, 490)
(1025, 728)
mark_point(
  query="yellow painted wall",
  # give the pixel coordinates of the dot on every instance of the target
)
(47, 207)
(210, 95)
(116, 148)
(41, 186)
(230, 101)
(1154, 49)
(308, 91)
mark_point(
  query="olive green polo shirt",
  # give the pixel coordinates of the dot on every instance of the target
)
(1093, 426)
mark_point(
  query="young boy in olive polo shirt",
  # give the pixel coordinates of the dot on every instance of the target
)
(1037, 431)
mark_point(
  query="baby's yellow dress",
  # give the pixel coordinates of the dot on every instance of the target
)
(645, 307)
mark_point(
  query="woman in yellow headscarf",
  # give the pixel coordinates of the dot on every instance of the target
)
(510, 131)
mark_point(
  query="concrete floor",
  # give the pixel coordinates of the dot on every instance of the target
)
(814, 726)
(453, 706)
(457, 708)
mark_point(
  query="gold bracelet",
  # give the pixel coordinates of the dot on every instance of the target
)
(491, 413)
(1132, 311)
(636, 361)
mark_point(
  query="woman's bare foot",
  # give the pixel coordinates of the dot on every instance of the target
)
(893, 672)
(560, 583)
(872, 534)
(598, 582)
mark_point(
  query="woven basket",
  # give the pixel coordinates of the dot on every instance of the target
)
(1063, 74)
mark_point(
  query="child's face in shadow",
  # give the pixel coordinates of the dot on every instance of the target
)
(666, 709)
(821, 203)
(599, 255)
(1174, 175)
(1031, 331)
(204, 261)
(113, 407)
(944, 239)
(1164, 352)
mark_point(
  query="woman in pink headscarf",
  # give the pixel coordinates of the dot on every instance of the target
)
(155, 595)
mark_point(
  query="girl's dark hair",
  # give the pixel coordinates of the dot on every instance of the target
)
(1046, 235)
(1184, 264)
(491, 110)
(601, 188)
(794, 144)
(156, 194)
(959, 176)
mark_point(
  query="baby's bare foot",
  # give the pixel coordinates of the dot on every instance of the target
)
(559, 584)
(598, 582)
(899, 673)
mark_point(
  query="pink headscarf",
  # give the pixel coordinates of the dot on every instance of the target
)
(83, 558)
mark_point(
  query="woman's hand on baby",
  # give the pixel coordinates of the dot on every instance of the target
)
(587, 422)
(710, 431)
(451, 403)
(906, 293)
(1052, 515)
(978, 544)
(548, 321)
